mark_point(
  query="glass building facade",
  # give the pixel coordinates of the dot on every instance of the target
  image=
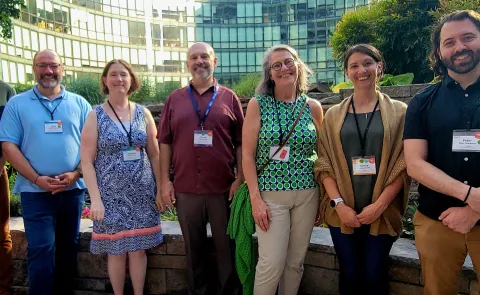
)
(154, 35)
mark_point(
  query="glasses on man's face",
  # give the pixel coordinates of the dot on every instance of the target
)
(44, 66)
(277, 66)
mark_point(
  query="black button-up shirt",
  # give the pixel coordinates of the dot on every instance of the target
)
(432, 115)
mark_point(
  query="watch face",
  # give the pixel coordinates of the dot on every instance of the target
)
(332, 204)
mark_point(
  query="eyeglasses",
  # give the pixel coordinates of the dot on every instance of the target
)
(44, 66)
(277, 66)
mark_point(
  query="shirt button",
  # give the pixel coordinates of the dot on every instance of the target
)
(465, 159)
(466, 94)
(466, 182)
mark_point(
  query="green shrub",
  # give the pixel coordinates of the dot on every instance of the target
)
(15, 204)
(162, 91)
(146, 91)
(88, 87)
(170, 214)
(22, 87)
(246, 86)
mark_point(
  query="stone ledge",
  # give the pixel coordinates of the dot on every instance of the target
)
(166, 272)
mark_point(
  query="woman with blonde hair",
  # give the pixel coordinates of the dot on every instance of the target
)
(362, 175)
(279, 150)
(120, 163)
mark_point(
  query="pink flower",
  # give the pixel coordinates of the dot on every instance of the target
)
(86, 213)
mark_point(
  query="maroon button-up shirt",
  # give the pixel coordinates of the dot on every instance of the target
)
(202, 170)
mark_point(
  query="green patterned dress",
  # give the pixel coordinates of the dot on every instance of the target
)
(297, 173)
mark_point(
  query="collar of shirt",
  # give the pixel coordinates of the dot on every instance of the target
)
(61, 95)
(209, 88)
(449, 82)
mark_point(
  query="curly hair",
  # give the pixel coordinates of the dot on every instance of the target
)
(266, 86)
(436, 63)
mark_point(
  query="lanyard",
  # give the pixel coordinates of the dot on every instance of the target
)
(48, 110)
(278, 116)
(195, 105)
(129, 133)
(364, 138)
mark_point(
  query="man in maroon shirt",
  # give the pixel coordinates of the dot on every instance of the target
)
(200, 134)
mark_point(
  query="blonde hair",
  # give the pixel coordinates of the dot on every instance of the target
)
(266, 86)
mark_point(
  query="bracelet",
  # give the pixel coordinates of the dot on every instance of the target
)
(468, 194)
(36, 179)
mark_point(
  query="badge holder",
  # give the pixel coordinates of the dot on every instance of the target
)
(54, 126)
(466, 141)
(364, 165)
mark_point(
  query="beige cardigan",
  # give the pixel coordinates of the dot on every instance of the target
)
(332, 163)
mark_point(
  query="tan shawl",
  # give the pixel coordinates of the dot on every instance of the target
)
(332, 163)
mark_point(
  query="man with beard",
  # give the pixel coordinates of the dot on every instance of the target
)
(6, 267)
(200, 133)
(442, 145)
(40, 134)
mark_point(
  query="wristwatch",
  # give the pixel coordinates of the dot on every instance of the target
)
(79, 172)
(334, 203)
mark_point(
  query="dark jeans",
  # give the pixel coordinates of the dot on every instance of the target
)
(194, 211)
(52, 224)
(363, 261)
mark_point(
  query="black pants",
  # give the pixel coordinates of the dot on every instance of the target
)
(194, 211)
(363, 260)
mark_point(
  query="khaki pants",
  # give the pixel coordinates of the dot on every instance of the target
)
(442, 253)
(283, 247)
(6, 261)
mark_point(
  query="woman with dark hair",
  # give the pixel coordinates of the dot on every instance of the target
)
(120, 163)
(362, 175)
(284, 196)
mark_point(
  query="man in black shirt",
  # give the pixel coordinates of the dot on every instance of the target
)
(442, 151)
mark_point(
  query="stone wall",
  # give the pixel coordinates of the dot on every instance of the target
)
(166, 272)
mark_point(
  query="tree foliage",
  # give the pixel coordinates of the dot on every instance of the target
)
(400, 29)
(448, 6)
(9, 9)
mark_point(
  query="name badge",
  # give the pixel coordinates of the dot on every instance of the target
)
(131, 153)
(53, 127)
(282, 155)
(203, 138)
(466, 141)
(364, 165)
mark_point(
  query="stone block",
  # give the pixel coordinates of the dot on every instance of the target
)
(19, 246)
(474, 287)
(317, 280)
(176, 280)
(397, 288)
(323, 260)
(20, 275)
(19, 290)
(175, 245)
(92, 265)
(416, 88)
(84, 242)
(160, 249)
(346, 92)
(167, 261)
(83, 284)
(396, 91)
(156, 281)
(405, 274)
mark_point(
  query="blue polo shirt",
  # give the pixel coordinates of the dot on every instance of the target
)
(50, 154)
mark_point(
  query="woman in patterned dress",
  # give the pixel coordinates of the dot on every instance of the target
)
(120, 161)
(284, 196)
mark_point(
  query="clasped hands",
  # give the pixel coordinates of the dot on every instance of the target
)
(368, 215)
(463, 219)
(57, 183)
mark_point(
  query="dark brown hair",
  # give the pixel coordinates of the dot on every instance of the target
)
(365, 49)
(436, 63)
(134, 86)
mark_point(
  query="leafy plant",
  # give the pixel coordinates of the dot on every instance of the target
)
(387, 80)
(9, 9)
(146, 91)
(164, 90)
(170, 214)
(88, 87)
(408, 226)
(15, 204)
(246, 86)
(21, 87)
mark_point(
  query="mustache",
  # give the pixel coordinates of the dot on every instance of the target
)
(465, 51)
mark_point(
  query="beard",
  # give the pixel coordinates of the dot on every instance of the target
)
(49, 84)
(462, 67)
(207, 72)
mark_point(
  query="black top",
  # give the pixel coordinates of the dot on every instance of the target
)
(362, 184)
(433, 114)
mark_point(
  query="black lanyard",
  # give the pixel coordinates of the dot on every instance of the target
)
(129, 133)
(195, 105)
(364, 138)
(48, 110)
(278, 116)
